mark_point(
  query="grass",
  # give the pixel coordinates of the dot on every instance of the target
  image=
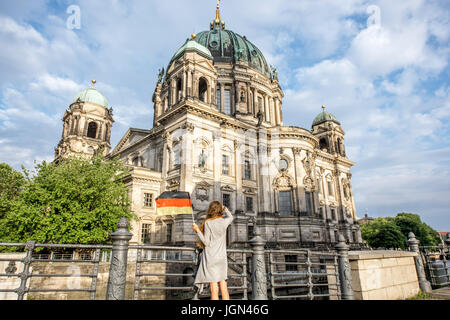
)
(420, 296)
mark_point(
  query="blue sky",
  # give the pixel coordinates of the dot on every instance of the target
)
(380, 66)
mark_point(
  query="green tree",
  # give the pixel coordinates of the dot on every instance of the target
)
(383, 233)
(410, 222)
(75, 201)
(11, 185)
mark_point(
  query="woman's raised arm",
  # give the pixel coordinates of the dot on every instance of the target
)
(228, 218)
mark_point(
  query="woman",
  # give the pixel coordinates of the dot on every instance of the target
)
(214, 264)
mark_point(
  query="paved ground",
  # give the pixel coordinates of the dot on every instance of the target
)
(441, 294)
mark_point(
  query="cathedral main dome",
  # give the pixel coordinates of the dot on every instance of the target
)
(228, 46)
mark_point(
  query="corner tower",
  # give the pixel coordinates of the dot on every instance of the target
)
(327, 128)
(87, 126)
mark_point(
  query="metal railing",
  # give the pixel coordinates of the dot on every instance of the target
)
(437, 264)
(167, 272)
(313, 275)
(31, 256)
(427, 263)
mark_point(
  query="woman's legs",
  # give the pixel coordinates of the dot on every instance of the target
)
(224, 290)
(214, 290)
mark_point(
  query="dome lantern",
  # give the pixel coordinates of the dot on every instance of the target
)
(325, 116)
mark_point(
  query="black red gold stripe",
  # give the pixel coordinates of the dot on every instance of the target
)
(173, 203)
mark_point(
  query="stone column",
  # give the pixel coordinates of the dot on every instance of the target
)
(118, 267)
(184, 84)
(264, 187)
(222, 97)
(209, 91)
(272, 112)
(266, 108)
(239, 167)
(249, 110)
(186, 160)
(298, 177)
(217, 164)
(259, 275)
(255, 102)
(277, 115)
(167, 146)
(424, 284)
(345, 272)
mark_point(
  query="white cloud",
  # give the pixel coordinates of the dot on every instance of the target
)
(56, 84)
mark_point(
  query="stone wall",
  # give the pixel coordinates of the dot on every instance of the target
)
(383, 275)
(72, 281)
(10, 283)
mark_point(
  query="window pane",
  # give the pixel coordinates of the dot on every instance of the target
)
(249, 203)
(145, 233)
(247, 170)
(226, 200)
(169, 232)
(225, 165)
(285, 203)
(330, 188)
(250, 232)
(227, 102)
(219, 99)
(148, 200)
(308, 203)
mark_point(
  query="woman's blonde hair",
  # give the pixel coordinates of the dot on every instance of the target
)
(215, 211)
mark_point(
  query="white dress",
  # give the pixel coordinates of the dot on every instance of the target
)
(214, 263)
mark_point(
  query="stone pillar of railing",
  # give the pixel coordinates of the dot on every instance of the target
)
(259, 275)
(447, 241)
(118, 267)
(424, 284)
(345, 271)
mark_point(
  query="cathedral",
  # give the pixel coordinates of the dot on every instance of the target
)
(218, 134)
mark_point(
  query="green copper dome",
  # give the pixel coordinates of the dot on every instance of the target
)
(192, 45)
(324, 117)
(93, 96)
(228, 46)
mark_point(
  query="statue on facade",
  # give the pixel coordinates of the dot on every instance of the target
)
(160, 75)
(202, 159)
(260, 116)
(273, 73)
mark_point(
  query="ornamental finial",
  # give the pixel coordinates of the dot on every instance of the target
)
(93, 82)
(218, 20)
(323, 107)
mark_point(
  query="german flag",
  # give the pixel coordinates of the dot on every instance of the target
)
(173, 203)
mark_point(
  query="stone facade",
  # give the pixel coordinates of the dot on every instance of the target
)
(384, 275)
(218, 134)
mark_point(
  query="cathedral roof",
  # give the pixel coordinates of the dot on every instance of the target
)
(91, 95)
(324, 116)
(227, 46)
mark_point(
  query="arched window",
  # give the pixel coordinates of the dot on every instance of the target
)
(203, 90)
(92, 130)
(285, 202)
(137, 162)
(323, 144)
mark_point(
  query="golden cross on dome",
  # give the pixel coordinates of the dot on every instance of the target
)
(217, 20)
